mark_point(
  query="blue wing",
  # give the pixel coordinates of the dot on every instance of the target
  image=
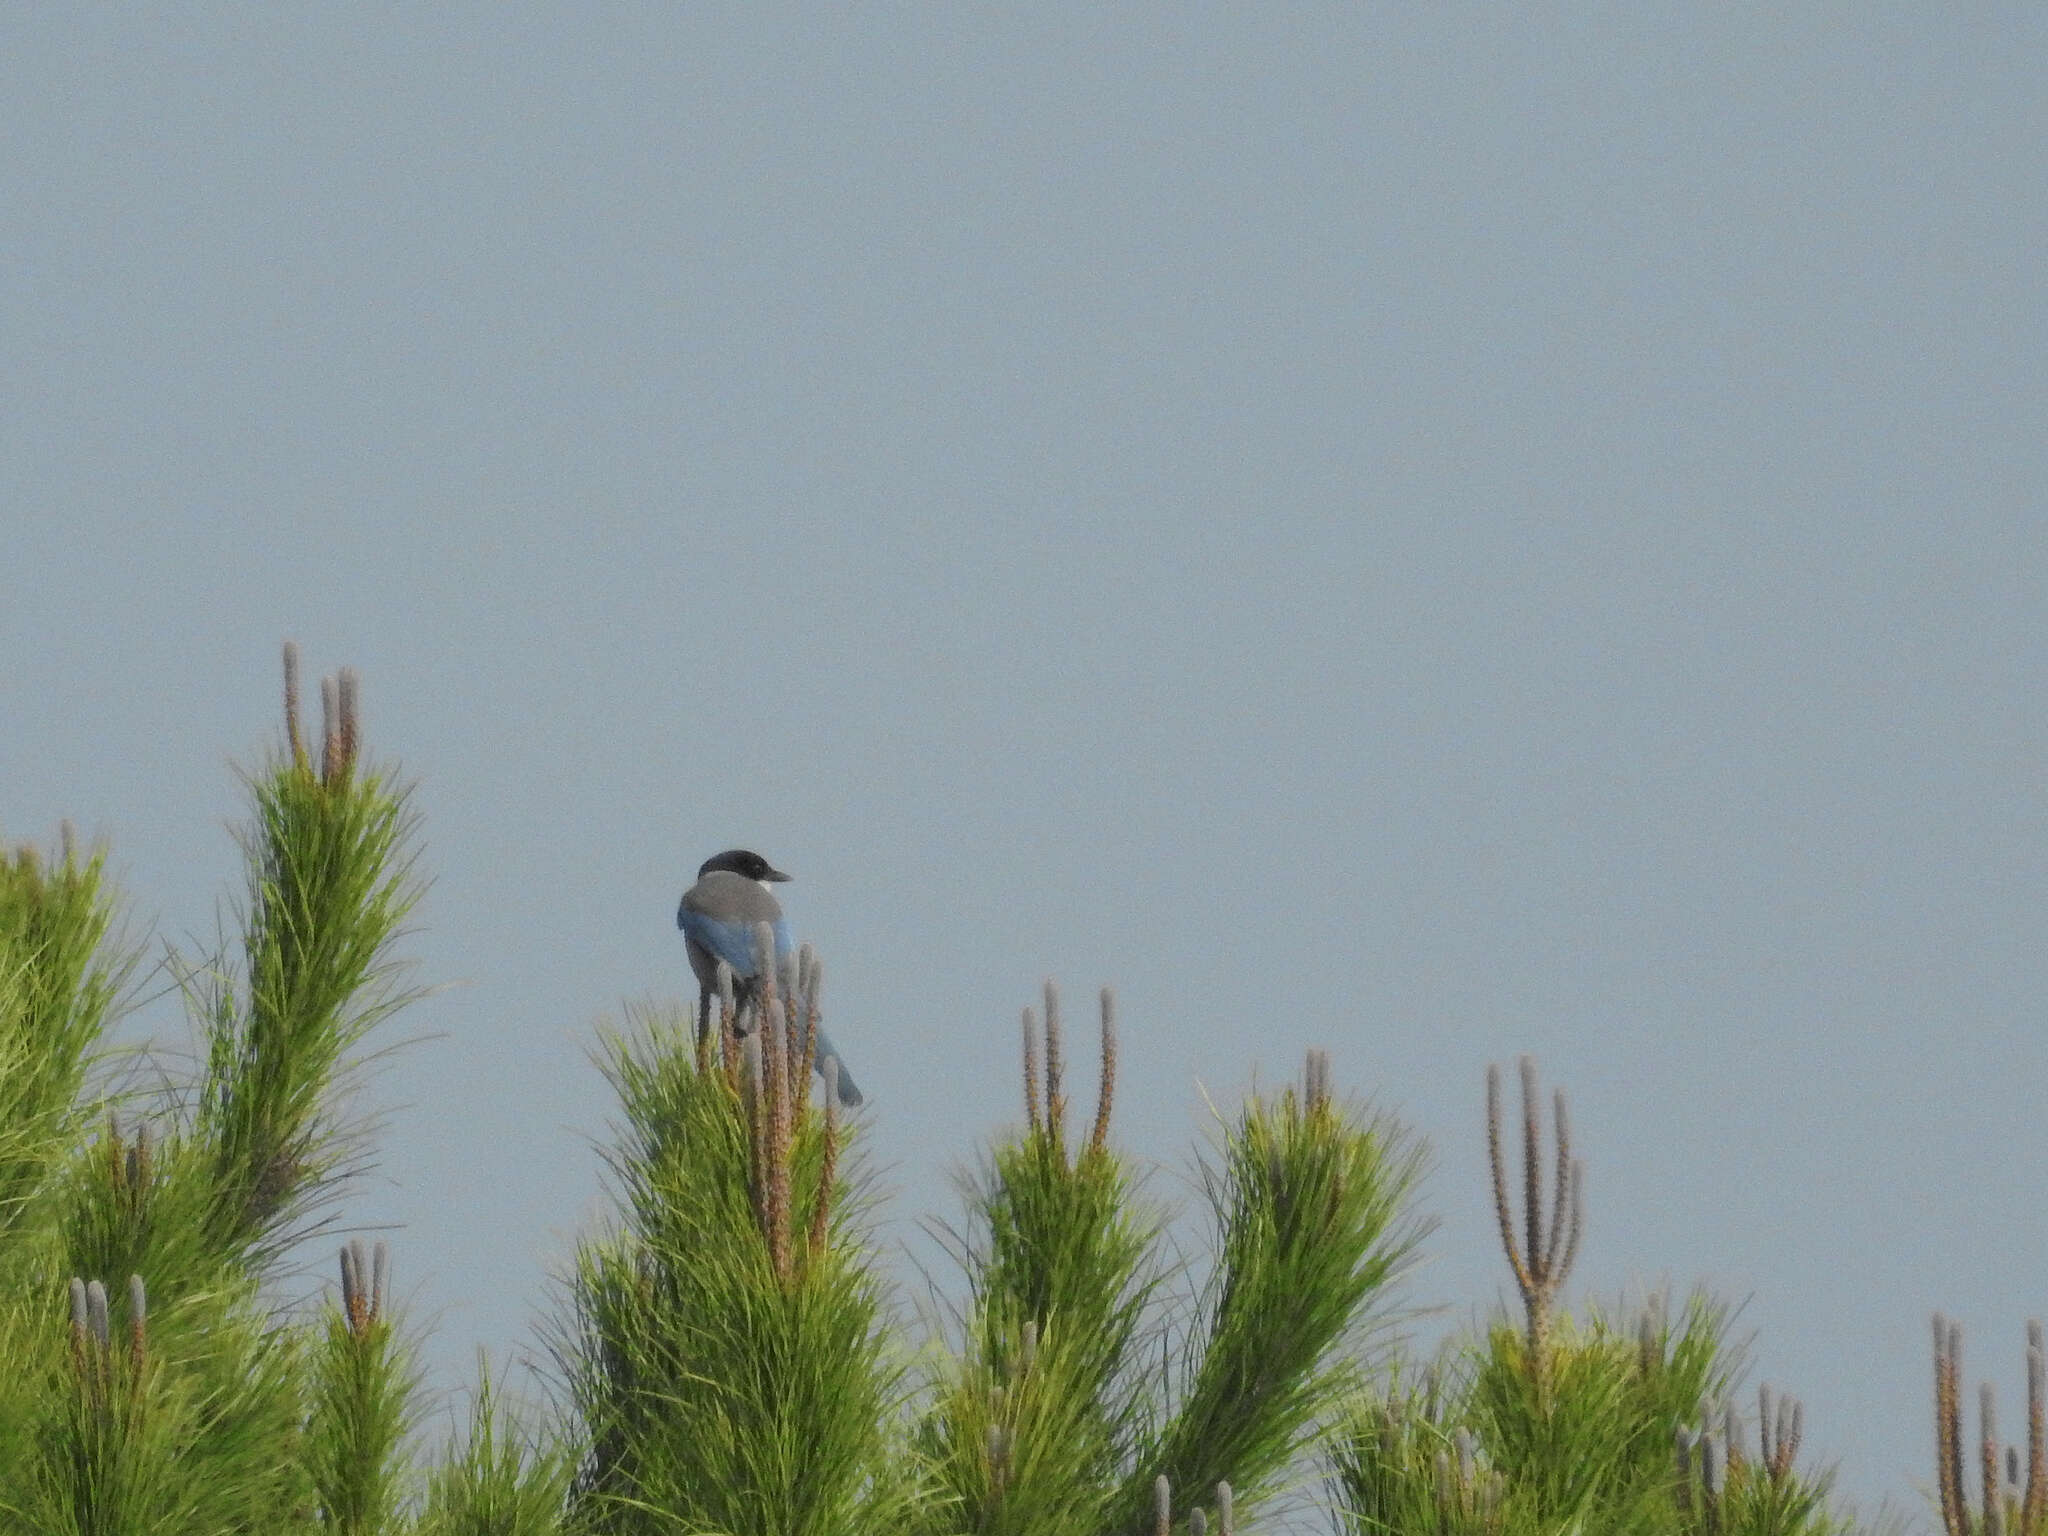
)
(732, 942)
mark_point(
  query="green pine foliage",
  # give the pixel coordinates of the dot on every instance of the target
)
(725, 1351)
(157, 1389)
(1310, 1205)
(498, 1480)
(1555, 1426)
(1034, 1424)
(182, 1419)
(330, 885)
(60, 981)
(364, 1401)
(727, 1355)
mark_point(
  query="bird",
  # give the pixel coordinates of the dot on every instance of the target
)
(718, 915)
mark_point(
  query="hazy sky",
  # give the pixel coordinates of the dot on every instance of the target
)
(1438, 535)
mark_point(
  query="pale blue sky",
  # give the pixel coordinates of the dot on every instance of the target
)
(1435, 534)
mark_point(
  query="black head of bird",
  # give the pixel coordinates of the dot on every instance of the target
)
(743, 862)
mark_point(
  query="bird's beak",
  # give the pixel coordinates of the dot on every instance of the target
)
(775, 874)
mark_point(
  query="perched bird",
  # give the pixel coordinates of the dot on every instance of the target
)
(717, 917)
